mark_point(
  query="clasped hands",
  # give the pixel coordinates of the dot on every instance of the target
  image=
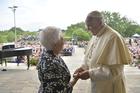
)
(81, 73)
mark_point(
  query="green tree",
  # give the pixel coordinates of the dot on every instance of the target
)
(10, 37)
(132, 29)
(80, 34)
(3, 39)
(77, 31)
(116, 21)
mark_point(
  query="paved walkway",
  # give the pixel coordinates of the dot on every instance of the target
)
(132, 79)
(19, 80)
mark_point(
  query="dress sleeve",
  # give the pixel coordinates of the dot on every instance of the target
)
(69, 88)
(105, 72)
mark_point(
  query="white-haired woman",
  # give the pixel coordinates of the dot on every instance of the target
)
(53, 73)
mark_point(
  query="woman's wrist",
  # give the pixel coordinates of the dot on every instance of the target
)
(73, 82)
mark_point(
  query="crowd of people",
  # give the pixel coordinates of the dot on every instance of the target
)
(134, 47)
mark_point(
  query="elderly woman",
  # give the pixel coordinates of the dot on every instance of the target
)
(53, 73)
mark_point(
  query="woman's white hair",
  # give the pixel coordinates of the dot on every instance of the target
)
(50, 36)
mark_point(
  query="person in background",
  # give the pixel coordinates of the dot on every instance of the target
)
(105, 57)
(53, 73)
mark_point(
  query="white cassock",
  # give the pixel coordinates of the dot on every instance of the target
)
(105, 57)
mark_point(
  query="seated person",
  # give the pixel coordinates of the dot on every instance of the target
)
(20, 59)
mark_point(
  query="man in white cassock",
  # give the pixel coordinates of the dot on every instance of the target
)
(105, 57)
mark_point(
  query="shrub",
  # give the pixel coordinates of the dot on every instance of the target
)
(33, 62)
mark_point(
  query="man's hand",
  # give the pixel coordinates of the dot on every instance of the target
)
(84, 75)
(77, 71)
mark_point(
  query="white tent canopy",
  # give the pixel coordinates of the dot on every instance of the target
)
(136, 35)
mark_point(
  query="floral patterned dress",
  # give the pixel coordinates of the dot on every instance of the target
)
(53, 74)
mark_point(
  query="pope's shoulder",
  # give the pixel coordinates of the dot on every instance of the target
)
(112, 33)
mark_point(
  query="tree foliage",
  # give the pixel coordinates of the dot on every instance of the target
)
(77, 31)
(9, 35)
(120, 23)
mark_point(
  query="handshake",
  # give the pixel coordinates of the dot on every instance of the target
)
(79, 73)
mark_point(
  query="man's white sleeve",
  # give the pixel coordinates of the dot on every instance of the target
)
(104, 72)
